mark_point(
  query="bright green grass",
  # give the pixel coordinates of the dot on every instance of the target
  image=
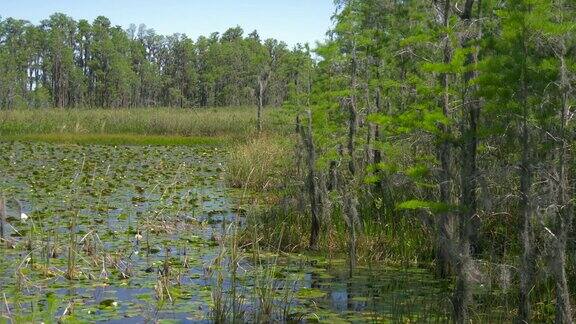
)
(118, 139)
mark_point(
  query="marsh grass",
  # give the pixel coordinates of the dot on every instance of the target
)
(117, 139)
(265, 164)
(261, 164)
(405, 245)
(132, 121)
(273, 296)
(270, 297)
(161, 126)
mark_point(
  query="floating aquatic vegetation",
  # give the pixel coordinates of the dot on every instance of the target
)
(145, 233)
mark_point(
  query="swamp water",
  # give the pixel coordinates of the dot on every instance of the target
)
(138, 234)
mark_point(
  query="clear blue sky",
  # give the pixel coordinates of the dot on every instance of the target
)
(292, 21)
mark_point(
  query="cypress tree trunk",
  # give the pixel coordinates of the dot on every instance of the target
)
(565, 204)
(563, 305)
(351, 217)
(312, 183)
(527, 237)
(262, 85)
(350, 200)
(463, 293)
(445, 236)
(300, 167)
(468, 204)
(353, 115)
(260, 104)
(2, 216)
(377, 154)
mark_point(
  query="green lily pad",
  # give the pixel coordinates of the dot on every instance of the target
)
(310, 293)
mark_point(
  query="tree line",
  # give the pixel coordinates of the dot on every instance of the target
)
(66, 63)
(459, 114)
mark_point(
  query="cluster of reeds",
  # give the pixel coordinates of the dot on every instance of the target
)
(260, 165)
(230, 122)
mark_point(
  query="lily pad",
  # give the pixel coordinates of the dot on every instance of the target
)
(310, 293)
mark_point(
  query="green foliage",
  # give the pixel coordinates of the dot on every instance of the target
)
(444, 104)
(97, 64)
(432, 206)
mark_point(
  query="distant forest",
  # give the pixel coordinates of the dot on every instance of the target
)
(67, 63)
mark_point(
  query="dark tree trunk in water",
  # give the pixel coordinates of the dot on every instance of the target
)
(350, 201)
(445, 236)
(463, 293)
(565, 212)
(348, 192)
(312, 183)
(468, 177)
(351, 214)
(527, 237)
(2, 216)
(563, 305)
